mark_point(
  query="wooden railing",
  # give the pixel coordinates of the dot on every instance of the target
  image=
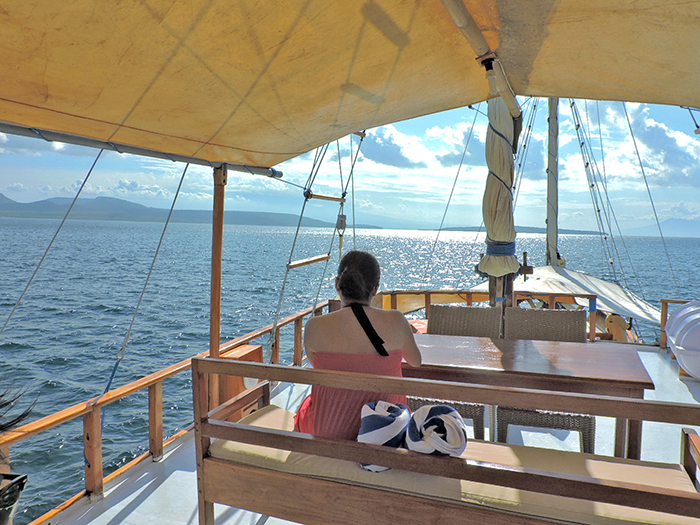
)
(663, 341)
(91, 410)
(412, 300)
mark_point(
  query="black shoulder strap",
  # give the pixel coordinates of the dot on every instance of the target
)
(374, 338)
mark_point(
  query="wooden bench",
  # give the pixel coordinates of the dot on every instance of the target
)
(260, 465)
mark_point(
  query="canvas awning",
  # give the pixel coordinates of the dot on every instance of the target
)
(258, 82)
(612, 298)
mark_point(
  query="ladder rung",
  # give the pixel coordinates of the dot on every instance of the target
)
(326, 197)
(310, 260)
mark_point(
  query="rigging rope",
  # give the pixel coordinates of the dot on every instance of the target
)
(122, 352)
(588, 163)
(315, 169)
(48, 248)
(608, 210)
(428, 265)
(658, 224)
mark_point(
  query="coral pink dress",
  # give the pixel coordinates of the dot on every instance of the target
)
(335, 412)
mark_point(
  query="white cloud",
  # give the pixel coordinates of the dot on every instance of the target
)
(3, 137)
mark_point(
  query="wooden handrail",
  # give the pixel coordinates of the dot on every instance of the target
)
(91, 409)
(623, 407)
(12, 437)
(244, 339)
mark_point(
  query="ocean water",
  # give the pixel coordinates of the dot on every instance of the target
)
(60, 347)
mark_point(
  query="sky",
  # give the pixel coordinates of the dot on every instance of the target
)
(405, 172)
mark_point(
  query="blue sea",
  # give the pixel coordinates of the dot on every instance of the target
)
(60, 347)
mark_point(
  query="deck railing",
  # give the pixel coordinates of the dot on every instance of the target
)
(91, 410)
(412, 300)
(663, 341)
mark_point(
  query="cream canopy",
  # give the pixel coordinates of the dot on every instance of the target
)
(261, 82)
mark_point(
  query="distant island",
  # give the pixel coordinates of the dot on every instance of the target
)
(112, 209)
(526, 229)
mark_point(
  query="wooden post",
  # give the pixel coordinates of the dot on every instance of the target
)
(593, 318)
(201, 397)
(298, 341)
(220, 178)
(5, 459)
(92, 441)
(427, 305)
(508, 289)
(155, 420)
(275, 358)
(493, 290)
(394, 302)
(663, 343)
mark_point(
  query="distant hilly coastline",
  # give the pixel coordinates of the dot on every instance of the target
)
(111, 209)
(527, 229)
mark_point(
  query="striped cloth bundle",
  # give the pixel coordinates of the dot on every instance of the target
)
(437, 429)
(383, 423)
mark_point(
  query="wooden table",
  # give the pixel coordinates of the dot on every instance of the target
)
(590, 368)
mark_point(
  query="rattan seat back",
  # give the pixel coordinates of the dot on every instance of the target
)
(464, 320)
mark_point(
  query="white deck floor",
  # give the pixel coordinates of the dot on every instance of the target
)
(166, 492)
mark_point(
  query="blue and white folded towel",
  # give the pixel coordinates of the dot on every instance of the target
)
(383, 423)
(437, 429)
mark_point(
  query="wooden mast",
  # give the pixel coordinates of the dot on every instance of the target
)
(553, 184)
(220, 178)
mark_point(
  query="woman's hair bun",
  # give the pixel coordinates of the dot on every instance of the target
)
(358, 275)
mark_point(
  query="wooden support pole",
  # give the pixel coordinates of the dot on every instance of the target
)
(92, 441)
(5, 459)
(155, 420)
(298, 341)
(663, 342)
(201, 401)
(220, 178)
(275, 358)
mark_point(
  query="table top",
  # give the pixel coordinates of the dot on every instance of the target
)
(602, 362)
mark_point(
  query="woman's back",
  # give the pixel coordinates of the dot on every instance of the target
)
(356, 338)
(335, 412)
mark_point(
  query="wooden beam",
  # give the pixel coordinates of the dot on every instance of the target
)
(220, 179)
(310, 260)
(238, 485)
(155, 420)
(324, 197)
(623, 407)
(4, 459)
(690, 454)
(298, 341)
(663, 341)
(92, 439)
(200, 384)
(518, 477)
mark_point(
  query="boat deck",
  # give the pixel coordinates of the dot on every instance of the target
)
(165, 492)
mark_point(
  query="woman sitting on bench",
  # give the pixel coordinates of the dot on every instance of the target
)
(356, 338)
